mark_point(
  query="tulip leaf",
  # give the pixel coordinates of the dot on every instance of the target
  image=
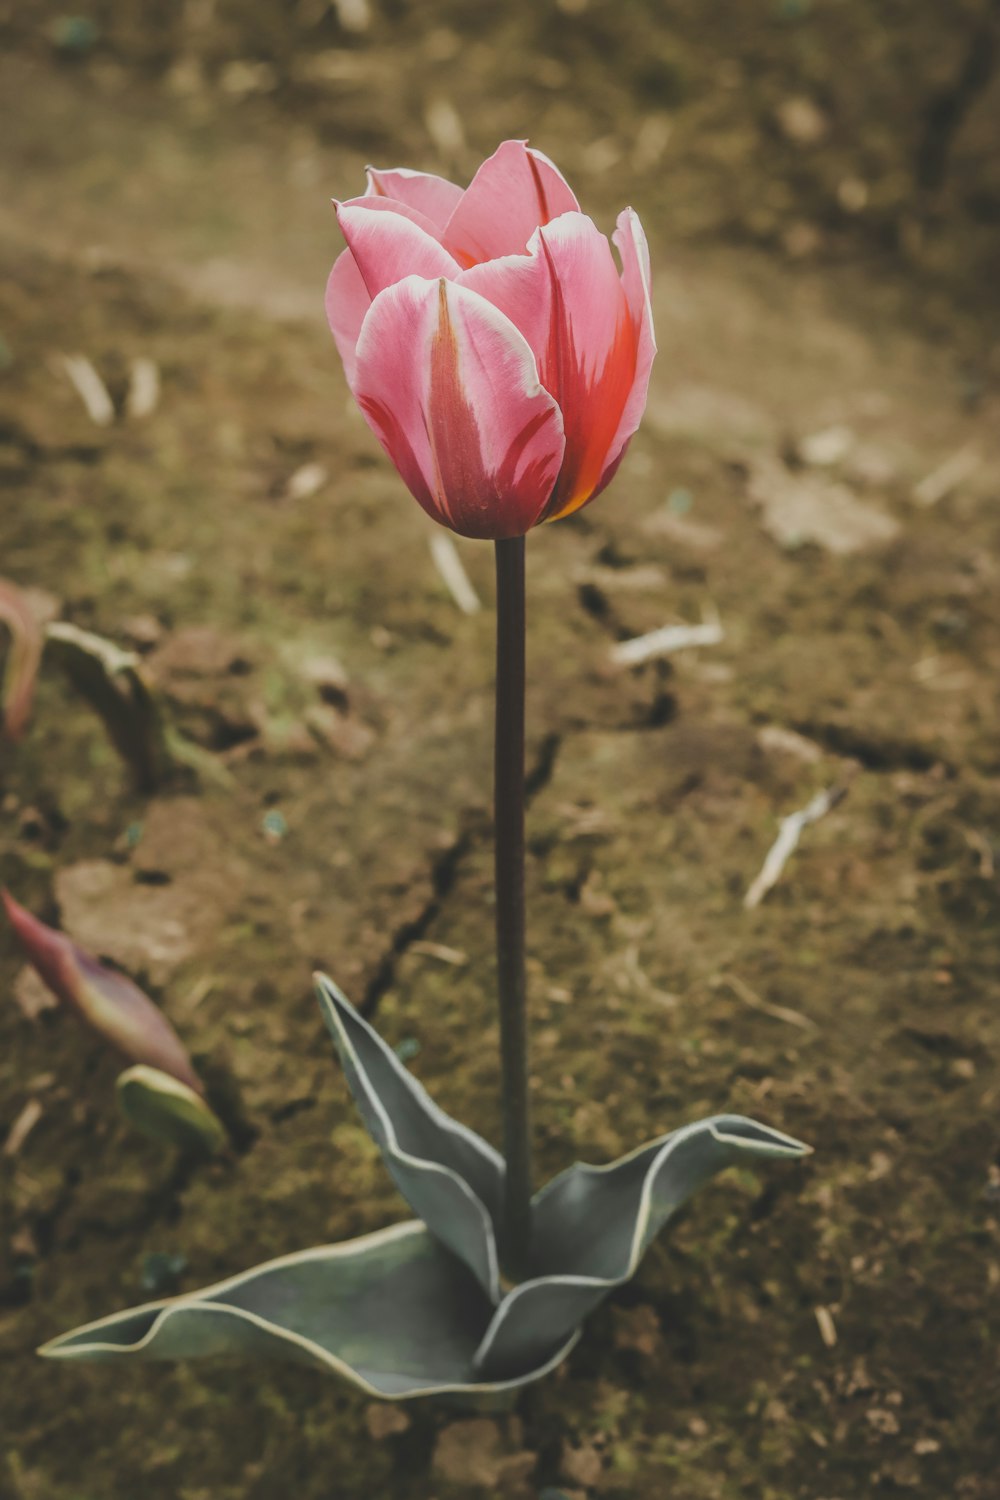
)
(416, 1309)
(167, 1110)
(107, 1001)
(592, 1225)
(447, 1173)
(394, 1313)
(23, 657)
(113, 683)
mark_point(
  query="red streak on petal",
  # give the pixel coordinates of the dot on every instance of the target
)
(591, 404)
(540, 193)
(475, 501)
(399, 449)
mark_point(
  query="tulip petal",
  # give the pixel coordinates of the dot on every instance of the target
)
(634, 251)
(389, 242)
(451, 389)
(435, 197)
(447, 1174)
(386, 241)
(592, 1225)
(567, 298)
(107, 1001)
(24, 656)
(347, 302)
(513, 192)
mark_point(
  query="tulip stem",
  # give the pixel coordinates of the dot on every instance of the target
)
(509, 852)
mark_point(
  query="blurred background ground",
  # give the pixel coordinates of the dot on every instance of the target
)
(819, 466)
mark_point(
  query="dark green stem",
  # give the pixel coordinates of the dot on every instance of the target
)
(509, 837)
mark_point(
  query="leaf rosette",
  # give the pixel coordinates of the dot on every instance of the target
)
(419, 1309)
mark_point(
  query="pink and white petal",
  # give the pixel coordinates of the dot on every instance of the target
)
(347, 302)
(451, 390)
(435, 197)
(513, 192)
(566, 296)
(636, 281)
(393, 206)
(388, 246)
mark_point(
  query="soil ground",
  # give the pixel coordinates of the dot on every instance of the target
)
(820, 189)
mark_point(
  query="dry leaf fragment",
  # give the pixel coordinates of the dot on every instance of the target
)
(827, 1327)
(90, 388)
(143, 389)
(23, 658)
(22, 1127)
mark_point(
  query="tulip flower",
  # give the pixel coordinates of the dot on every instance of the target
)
(502, 360)
(496, 350)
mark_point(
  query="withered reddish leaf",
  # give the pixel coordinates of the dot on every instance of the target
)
(107, 1001)
(24, 654)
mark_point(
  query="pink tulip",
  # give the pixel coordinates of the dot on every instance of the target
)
(495, 349)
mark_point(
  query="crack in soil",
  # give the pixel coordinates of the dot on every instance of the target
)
(873, 752)
(444, 873)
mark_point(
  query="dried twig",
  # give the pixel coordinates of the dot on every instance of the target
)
(441, 952)
(787, 842)
(22, 1127)
(144, 388)
(668, 638)
(750, 998)
(939, 483)
(90, 388)
(827, 1327)
(452, 570)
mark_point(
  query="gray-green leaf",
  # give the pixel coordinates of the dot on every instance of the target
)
(448, 1175)
(393, 1312)
(592, 1225)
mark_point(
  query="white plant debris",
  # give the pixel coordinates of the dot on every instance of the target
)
(809, 506)
(90, 388)
(939, 483)
(353, 15)
(444, 126)
(144, 387)
(827, 1327)
(444, 955)
(452, 570)
(669, 638)
(829, 446)
(775, 739)
(787, 842)
(22, 1127)
(306, 482)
